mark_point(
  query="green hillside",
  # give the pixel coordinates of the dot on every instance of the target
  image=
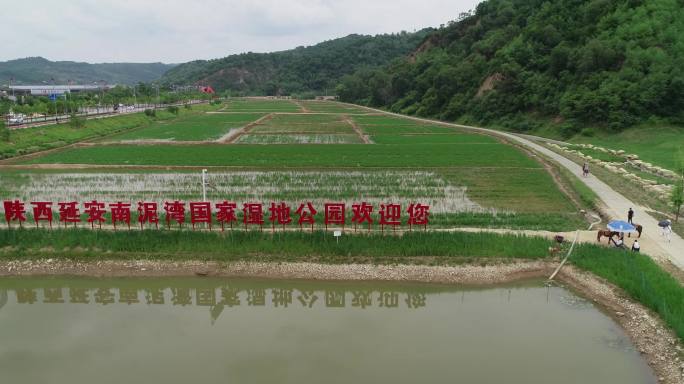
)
(33, 70)
(303, 69)
(531, 64)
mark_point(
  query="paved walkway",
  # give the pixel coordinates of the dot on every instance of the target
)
(615, 205)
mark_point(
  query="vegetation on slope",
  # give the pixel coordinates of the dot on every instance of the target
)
(35, 70)
(522, 63)
(301, 70)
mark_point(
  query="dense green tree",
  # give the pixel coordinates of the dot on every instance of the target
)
(612, 63)
(316, 69)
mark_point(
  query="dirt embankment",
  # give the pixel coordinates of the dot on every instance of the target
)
(658, 345)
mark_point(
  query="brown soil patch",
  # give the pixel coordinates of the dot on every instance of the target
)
(358, 130)
(233, 136)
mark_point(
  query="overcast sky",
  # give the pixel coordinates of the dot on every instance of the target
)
(174, 31)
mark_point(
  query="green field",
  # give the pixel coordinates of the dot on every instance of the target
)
(283, 156)
(332, 107)
(468, 179)
(659, 145)
(260, 105)
(195, 127)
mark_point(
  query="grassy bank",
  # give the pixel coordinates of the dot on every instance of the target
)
(636, 274)
(239, 245)
(29, 140)
(640, 277)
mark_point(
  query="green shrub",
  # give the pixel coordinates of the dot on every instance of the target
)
(4, 132)
(172, 109)
(76, 121)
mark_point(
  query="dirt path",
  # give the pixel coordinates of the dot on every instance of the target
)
(301, 106)
(234, 134)
(615, 205)
(357, 129)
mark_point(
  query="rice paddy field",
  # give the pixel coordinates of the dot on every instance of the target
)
(296, 151)
(196, 127)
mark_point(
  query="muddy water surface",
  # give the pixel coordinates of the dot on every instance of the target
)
(258, 331)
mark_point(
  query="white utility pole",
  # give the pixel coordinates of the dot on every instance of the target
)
(204, 185)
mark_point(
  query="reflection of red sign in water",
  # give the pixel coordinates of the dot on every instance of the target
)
(334, 214)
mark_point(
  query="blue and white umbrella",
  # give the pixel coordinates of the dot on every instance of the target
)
(621, 226)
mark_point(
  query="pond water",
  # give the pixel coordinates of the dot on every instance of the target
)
(195, 330)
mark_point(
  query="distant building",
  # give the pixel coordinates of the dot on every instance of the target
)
(331, 98)
(45, 90)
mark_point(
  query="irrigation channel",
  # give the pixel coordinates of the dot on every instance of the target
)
(182, 330)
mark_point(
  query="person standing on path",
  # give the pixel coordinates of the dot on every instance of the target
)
(585, 169)
(630, 216)
(667, 232)
(635, 246)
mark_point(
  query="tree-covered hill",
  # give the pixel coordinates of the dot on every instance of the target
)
(522, 63)
(34, 70)
(300, 70)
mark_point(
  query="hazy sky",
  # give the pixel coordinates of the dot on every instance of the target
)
(183, 30)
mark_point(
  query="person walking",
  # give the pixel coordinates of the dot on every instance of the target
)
(630, 216)
(667, 232)
(635, 246)
(585, 169)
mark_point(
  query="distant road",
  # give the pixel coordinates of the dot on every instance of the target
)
(615, 204)
(96, 113)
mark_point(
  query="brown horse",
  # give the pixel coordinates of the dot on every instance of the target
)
(607, 233)
(639, 228)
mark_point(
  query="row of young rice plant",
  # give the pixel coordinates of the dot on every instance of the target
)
(331, 155)
(245, 186)
(257, 245)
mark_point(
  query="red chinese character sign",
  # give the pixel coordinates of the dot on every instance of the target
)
(121, 213)
(307, 215)
(334, 214)
(418, 215)
(14, 211)
(390, 214)
(174, 212)
(200, 213)
(95, 212)
(361, 213)
(253, 213)
(69, 213)
(225, 213)
(42, 211)
(147, 213)
(280, 213)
